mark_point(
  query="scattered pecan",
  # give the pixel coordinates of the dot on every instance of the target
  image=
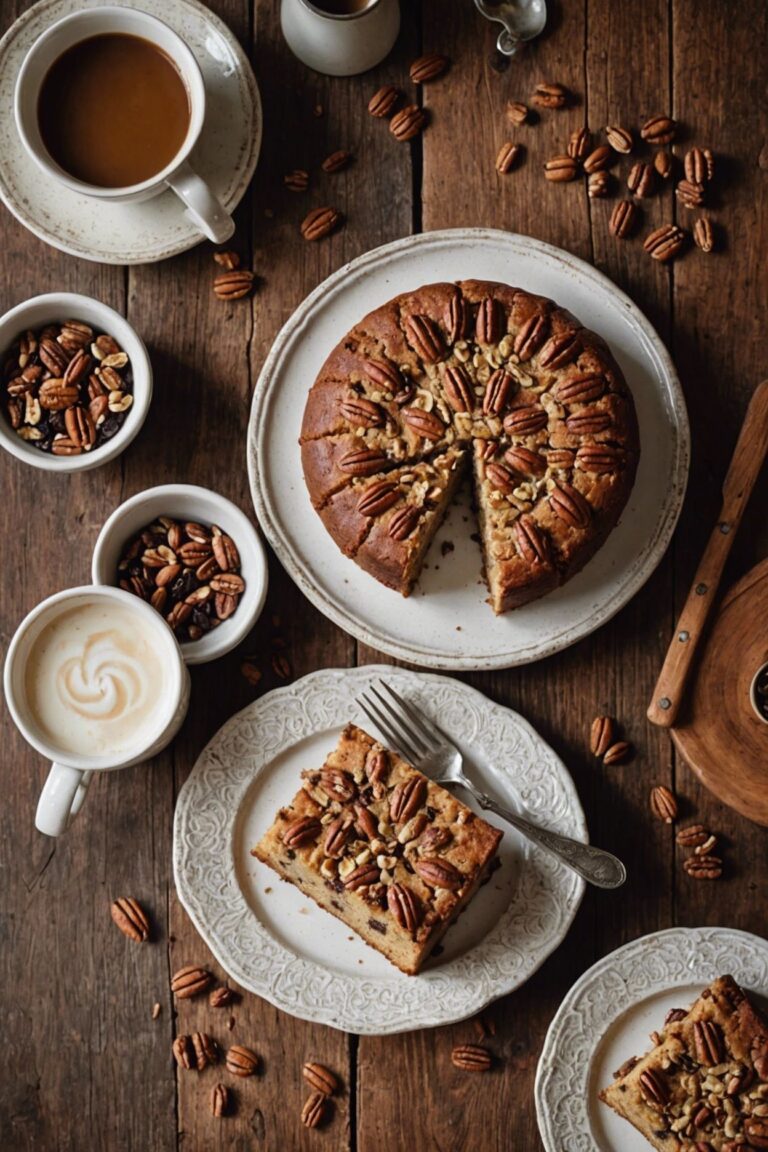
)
(471, 1058)
(579, 144)
(319, 223)
(428, 67)
(507, 157)
(517, 112)
(242, 1061)
(561, 169)
(691, 835)
(220, 1100)
(665, 243)
(550, 96)
(663, 804)
(408, 122)
(297, 180)
(601, 735)
(624, 219)
(130, 918)
(704, 867)
(336, 161)
(703, 234)
(320, 1078)
(234, 285)
(641, 180)
(190, 981)
(599, 185)
(383, 102)
(663, 163)
(617, 753)
(598, 160)
(658, 130)
(316, 1110)
(227, 260)
(620, 139)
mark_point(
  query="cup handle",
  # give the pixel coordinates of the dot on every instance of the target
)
(61, 798)
(202, 206)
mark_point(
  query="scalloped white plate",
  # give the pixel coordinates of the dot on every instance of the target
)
(225, 155)
(446, 622)
(608, 1015)
(277, 943)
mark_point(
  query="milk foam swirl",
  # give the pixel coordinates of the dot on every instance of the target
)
(105, 682)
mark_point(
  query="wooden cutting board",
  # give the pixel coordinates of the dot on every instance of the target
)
(719, 735)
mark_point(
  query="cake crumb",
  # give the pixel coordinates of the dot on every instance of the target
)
(447, 547)
(268, 890)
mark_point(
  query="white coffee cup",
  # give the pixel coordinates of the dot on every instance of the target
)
(71, 771)
(202, 206)
(341, 44)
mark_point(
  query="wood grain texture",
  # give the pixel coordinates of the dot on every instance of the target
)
(83, 1065)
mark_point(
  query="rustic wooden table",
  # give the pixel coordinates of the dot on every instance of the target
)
(84, 1066)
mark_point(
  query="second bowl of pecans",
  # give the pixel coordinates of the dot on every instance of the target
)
(192, 555)
(75, 382)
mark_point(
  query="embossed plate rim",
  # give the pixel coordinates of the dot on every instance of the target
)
(205, 824)
(609, 593)
(562, 1088)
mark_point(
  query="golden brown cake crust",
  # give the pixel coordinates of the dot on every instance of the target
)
(481, 364)
(381, 847)
(704, 1085)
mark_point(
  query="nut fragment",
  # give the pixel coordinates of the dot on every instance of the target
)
(233, 285)
(242, 1061)
(517, 112)
(220, 997)
(320, 1078)
(220, 1100)
(316, 1110)
(663, 804)
(383, 102)
(601, 735)
(471, 1058)
(319, 223)
(408, 122)
(130, 918)
(550, 96)
(428, 67)
(507, 157)
(190, 981)
(598, 185)
(228, 260)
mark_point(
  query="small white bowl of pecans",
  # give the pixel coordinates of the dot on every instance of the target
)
(75, 382)
(192, 555)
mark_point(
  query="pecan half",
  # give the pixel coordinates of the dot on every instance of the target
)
(550, 96)
(501, 478)
(498, 392)
(579, 143)
(689, 194)
(426, 424)
(405, 906)
(130, 918)
(598, 160)
(532, 334)
(206, 1050)
(588, 423)
(569, 504)
(438, 873)
(659, 130)
(361, 412)
(80, 427)
(423, 335)
(663, 804)
(703, 234)
(190, 981)
(517, 113)
(338, 784)
(620, 139)
(365, 822)
(704, 867)
(624, 219)
(601, 735)
(428, 67)
(600, 458)
(337, 833)
(336, 161)
(183, 1053)
(408, 122)
(320, 1078)
(525, 461)
(691, 835)
(598, 185)
(362, 876)
(665, 243)
(457, 318)
(560, 350)
(319, 223)
(242, 1061)
(316, 1110)
(641, 180)
(663, 163)
(233, 285)
(458, 388)
(532, 544)
(526, 421)
(383, 102)
(506, 157)
(654, 1087)
(377, 497)
(53, 356)
(407, 798)
(385, 374)
(363, 461)
(561, 169)
(471, 1058)
(377, 766)
(404, 522)
(434, 839)
(617, 753)
(708, 1042)
(303, 831)
(220, 1100)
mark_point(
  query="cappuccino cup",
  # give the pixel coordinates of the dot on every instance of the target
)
(95, 681)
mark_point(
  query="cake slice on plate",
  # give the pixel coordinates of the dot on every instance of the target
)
(381, 847)
(703, 1087)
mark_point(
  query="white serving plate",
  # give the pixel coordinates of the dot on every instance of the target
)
(446, 622)
(277, 943)
(225, 155)
(608, 1015)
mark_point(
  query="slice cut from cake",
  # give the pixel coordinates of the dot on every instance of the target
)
(704, 1085)
(381, 847)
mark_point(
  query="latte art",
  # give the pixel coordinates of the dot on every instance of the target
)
(106, 682)
(95, 680)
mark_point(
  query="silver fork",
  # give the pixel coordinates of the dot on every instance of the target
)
(429, 749)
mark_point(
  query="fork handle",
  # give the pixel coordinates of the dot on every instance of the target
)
(595, 865)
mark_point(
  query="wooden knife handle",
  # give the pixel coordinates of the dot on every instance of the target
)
(743, 471)
(670, 686)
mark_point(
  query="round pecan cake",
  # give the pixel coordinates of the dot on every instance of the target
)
(481, 371)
